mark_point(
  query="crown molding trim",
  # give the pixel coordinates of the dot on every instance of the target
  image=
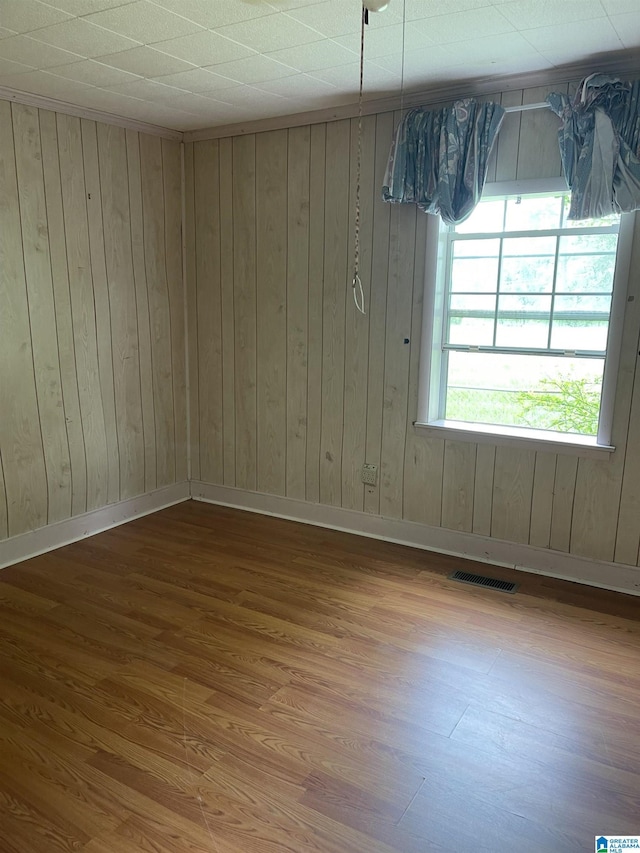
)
(491, 85)
(622, 63)
(44, 103)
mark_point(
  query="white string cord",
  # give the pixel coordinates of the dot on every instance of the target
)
(404, 30)
(356, 284)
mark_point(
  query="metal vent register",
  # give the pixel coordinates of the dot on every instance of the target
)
(481, 580)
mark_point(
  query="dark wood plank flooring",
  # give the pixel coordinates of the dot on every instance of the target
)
(210, 681)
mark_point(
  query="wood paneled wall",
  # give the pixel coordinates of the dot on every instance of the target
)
(92, 356)
(292, 390)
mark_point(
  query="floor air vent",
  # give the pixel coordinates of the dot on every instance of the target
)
(481, 580)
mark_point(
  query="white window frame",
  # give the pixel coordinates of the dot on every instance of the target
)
(430, 387)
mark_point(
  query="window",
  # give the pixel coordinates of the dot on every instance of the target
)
(523, 339)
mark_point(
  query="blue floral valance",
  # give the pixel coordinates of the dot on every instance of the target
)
(438, 158)
(600, 145)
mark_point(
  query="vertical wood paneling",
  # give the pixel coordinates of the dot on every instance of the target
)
(396, 362)
(542, 499)
(102, 304)
(298, 210)
(357, 324)
(595, 509)
(538, 150)
(562, 505)
(512, 494)
(244, 275)
(458, 483)
(316, 287)
(77, 252)
(209, 310)
(336, 231)
(626, 424)
(62, 302)
(20, 436)
(483, 489)
(192, 309)
(225, 153)
(122, 299)
(172, 176)
(508, 139)
(378, 309)
(424, 464)
(142, 310)
(628, 534)
(37, 268)
(83, 309)
(271, 307)
(159, 307)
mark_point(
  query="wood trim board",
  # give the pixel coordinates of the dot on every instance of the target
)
(53, 536)
(521, 557)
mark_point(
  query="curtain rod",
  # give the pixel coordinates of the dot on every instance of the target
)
(523, 107)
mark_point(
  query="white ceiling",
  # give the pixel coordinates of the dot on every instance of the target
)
(189, 64)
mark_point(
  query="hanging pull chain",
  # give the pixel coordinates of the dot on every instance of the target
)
(356, 285)
(404, 33)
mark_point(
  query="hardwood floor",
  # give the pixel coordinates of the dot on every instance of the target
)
(210, 681)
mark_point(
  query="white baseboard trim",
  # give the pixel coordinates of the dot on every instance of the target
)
(526, 558)
(44, 539)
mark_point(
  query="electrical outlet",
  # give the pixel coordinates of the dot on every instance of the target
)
(370, 474)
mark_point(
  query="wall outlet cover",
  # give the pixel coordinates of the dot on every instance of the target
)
(370, 474)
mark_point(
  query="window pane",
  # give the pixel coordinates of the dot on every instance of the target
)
(487, 217)
(530, 334)
(586, 272)
(582, 306)
(523, 321)
(533, 214)
(585, 337)
(471, 331)
(476, 248)
(580, 322)
(474, 304)
(524, 306)
(471, 319)
(528, 264)
(542, 392)
(529, 247)
(596, 243)
(474, 275)
(522, 275)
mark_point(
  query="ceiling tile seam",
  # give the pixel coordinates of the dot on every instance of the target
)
(191, 21)
(153, 3)
(29, 33)
(615, 29)
(156, 46)
(487, 84)
(84, 14)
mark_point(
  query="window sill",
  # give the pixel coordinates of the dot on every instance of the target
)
(529, 439)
